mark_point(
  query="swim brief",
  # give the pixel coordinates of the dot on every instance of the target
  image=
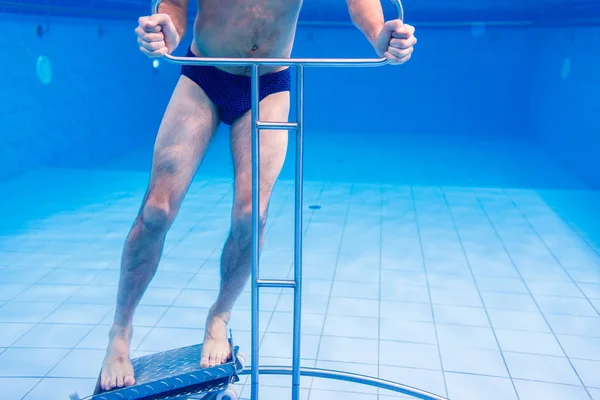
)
(232, 93)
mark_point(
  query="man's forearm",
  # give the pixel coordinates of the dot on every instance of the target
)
(177, 10)
(367, 15)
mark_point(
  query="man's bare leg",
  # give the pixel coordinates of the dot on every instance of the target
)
(187, 128)
(237, 252)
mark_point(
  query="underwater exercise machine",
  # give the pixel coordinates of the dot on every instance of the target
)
(176, 374)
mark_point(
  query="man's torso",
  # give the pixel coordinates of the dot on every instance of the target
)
(245, 28)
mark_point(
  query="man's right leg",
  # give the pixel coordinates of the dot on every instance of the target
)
(188, 126)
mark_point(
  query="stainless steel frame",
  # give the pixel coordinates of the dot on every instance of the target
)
(300, 63)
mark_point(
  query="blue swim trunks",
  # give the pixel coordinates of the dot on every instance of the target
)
(231, 93)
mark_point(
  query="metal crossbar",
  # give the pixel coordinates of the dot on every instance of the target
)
(296, 284)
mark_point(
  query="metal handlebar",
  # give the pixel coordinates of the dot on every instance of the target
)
(317, 62)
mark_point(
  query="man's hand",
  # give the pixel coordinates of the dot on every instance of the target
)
(396, 42)
(157, 35)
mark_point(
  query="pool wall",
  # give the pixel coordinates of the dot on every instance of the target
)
(106, 99)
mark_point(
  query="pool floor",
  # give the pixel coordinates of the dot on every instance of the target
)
(468, 269)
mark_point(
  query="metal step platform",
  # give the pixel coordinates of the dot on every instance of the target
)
(176, 374)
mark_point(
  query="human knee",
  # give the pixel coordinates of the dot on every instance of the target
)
(156, 216)
(241, 224)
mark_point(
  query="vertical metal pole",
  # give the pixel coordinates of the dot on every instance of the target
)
(298, 233)
(255, 113)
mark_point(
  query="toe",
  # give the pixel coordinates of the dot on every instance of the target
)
(204, 361)
(225, 357)
(219, 359)
(120, 381)
(129, 381)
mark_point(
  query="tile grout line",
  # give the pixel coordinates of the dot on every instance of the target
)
(333, 361)
(577, 232)
(36, 282)
(337, 259)
(424, 264)
(70, 350)
(380, 255)
(531, 294)
(464, 252)
(379, 258)
(565, 270)
(35, 325)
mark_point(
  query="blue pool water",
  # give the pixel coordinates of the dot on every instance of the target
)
(455, 240)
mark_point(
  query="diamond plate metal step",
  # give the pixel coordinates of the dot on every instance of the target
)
(174, 374)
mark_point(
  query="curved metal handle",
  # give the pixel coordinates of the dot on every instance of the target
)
(317, 62)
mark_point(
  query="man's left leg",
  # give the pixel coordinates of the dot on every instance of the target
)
(236, 259)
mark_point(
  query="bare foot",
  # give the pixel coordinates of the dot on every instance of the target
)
(216, 349)
(117, 371)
